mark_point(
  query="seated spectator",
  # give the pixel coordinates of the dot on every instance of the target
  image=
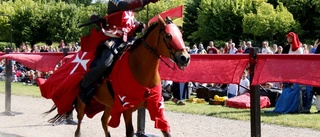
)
(232, 90)
(244, 82)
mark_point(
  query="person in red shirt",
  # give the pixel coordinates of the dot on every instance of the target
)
(212, 49)
(240, 50)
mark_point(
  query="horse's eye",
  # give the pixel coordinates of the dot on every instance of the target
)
(168, 36)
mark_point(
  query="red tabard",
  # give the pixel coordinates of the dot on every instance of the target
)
(128, 93)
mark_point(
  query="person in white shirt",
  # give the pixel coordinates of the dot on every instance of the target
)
(233, 48)
(232, 90)
(244, 82)
(265, 48)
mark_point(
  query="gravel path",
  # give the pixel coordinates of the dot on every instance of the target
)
(29, 122)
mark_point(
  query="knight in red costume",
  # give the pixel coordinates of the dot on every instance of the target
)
(121, 27)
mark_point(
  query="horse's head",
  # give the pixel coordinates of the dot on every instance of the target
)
(168, 42)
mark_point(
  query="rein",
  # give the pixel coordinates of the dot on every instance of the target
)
(155, 53)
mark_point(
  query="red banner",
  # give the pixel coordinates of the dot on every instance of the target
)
(218, 68)
(38, 61)
(301, 69)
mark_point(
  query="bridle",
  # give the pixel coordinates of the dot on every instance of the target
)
(169, 47)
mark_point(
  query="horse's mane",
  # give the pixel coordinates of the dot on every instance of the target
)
(139, 40)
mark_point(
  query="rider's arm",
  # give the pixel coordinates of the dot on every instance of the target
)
(131, 4)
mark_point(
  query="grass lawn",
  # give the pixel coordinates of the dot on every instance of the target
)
(21, 89)
(294, 120)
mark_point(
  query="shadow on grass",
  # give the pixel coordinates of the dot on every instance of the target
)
(9, 135)
(227, 112)
(28, 126)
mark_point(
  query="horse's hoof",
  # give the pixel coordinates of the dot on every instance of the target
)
(77, 134)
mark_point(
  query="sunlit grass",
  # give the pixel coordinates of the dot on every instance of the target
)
(293, 120)
(19, 88)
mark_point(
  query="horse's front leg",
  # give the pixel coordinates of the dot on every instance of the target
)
(105, 119)
(127, 115)
(80, 106)
(166, 133)
(104, 97)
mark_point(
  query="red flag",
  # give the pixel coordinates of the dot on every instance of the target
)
(294, 68)
(38, 61)
(176, 12)
(63, 85)
(203, 68)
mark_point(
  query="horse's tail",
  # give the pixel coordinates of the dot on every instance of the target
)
(54, 107)
(58, 117)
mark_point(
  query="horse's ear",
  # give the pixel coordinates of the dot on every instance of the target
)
(168, 20)
(161, 21)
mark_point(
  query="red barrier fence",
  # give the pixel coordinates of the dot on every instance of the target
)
(43, 61)
(208, 69)
(302, 69)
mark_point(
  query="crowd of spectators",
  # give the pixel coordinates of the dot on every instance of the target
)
(243, 47)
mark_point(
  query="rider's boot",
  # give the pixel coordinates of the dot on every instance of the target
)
(91, 80)
(87, 93)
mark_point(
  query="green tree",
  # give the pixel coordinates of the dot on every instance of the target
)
(306, 13)
(269, 22)
(221, 19)
(189, 19)
(5, 8)
(155, 8)
(37, 22)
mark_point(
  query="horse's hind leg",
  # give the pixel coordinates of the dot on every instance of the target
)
(104, 121)
(127, 115)
(80, 106)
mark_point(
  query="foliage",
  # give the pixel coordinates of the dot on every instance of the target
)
(4, 45)
(307, 14)
(156, 8)
(37, 22)
(268, 22)
(204, 20)
(221, 19)
(189, 19)
(77, 2)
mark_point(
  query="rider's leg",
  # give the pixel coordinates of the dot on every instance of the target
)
(96, 74)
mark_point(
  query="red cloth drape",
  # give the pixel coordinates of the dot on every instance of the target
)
(208, 69)
(63, 85)
(38, 61)
(302, 69)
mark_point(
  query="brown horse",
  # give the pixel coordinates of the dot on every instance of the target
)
(163, 39)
